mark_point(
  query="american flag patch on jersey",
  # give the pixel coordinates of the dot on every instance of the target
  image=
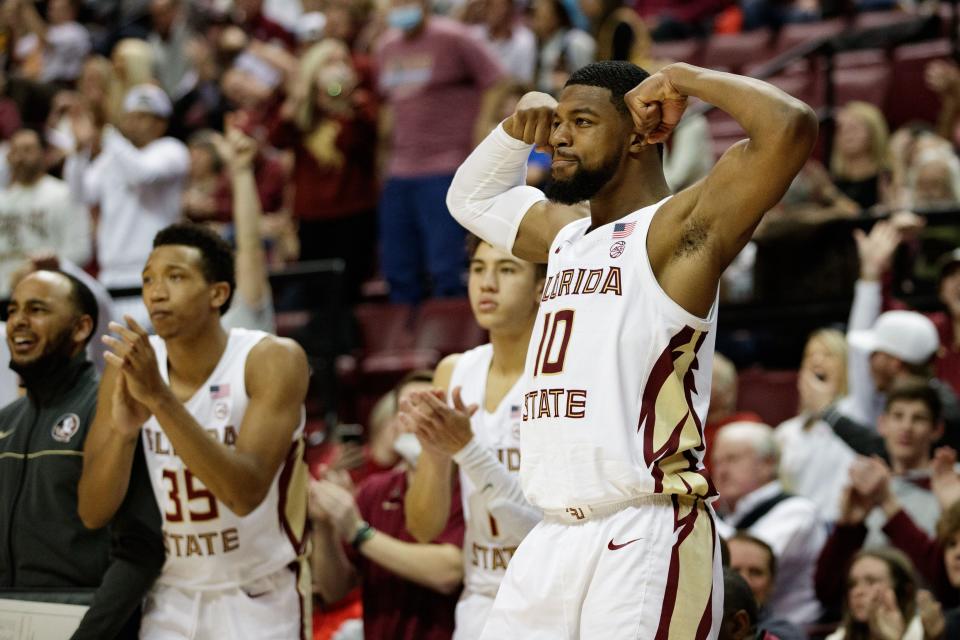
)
(514, 412)
(623, 229)
(218, 391)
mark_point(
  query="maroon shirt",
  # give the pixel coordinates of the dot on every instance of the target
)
(434, 82)
(338, 185)
(393, 607)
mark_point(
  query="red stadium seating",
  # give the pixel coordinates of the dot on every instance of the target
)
(735, 52)
(771, 394)
(447, 326)
(910, 99)
(870, 84)
(679, 51)
(794, 34)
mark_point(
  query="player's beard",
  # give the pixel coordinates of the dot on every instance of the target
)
(583, 184)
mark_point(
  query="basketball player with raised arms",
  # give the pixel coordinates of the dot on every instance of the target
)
(480, 431)
(221, 417)
(617, 375)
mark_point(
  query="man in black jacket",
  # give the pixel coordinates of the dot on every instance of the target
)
(44, 546)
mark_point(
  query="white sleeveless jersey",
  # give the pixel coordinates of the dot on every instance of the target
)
(486, 548)
(617, 378)
(208, 546)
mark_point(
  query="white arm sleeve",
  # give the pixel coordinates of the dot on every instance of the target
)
(861, 390)
(489, 196)
(500, 489)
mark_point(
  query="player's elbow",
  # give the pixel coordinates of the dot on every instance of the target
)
(800, 125)
(90, 516)
(422, 530)
(448, 576)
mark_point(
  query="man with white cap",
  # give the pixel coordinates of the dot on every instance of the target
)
(884, 348)
(137, 176)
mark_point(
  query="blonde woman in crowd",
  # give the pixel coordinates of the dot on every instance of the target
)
(859, 152)
(814, 461)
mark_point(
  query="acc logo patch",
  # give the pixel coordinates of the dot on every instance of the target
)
(66, 427)
(221, 409)
(617, 248)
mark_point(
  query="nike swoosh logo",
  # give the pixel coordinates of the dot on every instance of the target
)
(4, 434)
(614, 546)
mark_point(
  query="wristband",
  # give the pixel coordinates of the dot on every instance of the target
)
(364, 532)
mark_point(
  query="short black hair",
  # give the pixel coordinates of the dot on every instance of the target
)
(916, 389)
(617, 76)
(82, 299)
(473, 243)
(737, 596)
(216, 254)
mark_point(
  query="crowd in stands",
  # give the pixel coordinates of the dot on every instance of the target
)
(331, 130)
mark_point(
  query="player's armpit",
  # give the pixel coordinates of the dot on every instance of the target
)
(540, 227)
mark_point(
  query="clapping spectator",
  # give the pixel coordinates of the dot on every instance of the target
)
(137, 180)
(880, 602)
(330, 123)
(51, 50)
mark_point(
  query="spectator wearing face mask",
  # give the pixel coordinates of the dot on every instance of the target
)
(424, 66)
(410, 589)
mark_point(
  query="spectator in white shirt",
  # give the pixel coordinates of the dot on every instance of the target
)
(512, 42)
(814, 462)
(884, 348)
(137, 179)
(62, 42)
(38, 214)
(744, 468)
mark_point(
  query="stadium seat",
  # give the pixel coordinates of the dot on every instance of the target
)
(736, 51)
(771, 394)
(873, 19)
(910, 99)
(678, 51)
(384, 326)
(447, 326)
(870, 84)
(799, 33)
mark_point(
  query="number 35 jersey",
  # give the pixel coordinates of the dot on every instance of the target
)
(208, 546)
(617, 379)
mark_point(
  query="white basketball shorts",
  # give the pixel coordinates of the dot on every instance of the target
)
(650, 571)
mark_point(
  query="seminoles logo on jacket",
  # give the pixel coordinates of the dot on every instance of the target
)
(66, 426)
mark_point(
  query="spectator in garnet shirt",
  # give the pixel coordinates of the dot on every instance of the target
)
(947, 362)
(410, 589)
(330, 123)
(249, 16)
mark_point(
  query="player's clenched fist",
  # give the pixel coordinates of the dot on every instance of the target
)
(533, 119)
(656, 106)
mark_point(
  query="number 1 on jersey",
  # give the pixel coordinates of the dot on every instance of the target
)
(553, 363)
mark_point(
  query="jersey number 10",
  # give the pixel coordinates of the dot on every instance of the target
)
(548, 362)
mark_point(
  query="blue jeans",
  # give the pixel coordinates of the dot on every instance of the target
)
(418, 237)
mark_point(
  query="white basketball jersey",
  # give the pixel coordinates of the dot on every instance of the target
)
(617, 376)
(208, 546)
(486, 547)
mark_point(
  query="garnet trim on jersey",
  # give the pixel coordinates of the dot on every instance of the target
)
(683, 527)
(675, 365)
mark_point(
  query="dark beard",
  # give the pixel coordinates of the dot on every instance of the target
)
(583, 185)
(56, 356)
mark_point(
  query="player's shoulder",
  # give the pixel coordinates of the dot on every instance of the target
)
(444, 371)
(272, 356)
